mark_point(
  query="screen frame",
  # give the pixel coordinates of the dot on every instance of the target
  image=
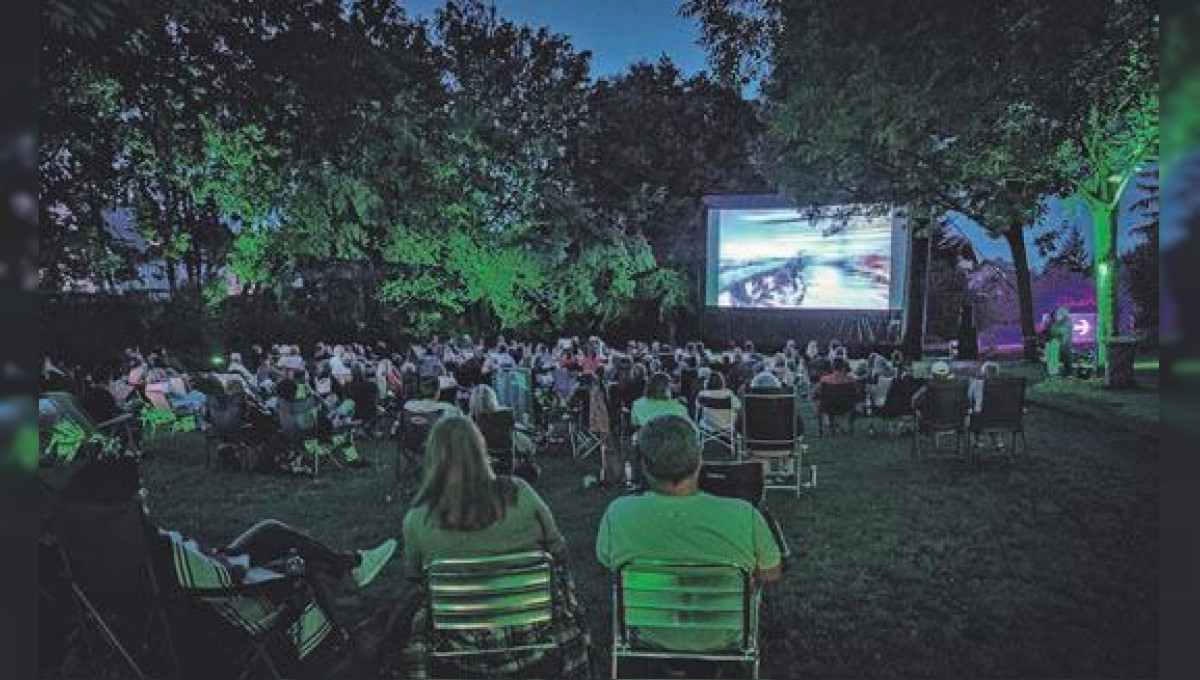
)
(709, 281)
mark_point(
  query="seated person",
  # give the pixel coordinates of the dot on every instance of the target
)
(766, 383)
(464, 510)
(657, 401)
(427, 403)
(363, 392)
(484, 403)
(987, 370)
(253, 557)
(840, 375)
(714, 388)
(939, 372)
(676, 521)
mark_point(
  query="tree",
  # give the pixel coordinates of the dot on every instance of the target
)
(918, 104)
(1101, 155)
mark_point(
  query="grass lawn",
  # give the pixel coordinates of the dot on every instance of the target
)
(934, 568)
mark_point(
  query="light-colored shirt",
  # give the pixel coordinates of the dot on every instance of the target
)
(695, 528)
(645, 409)
(527, 525)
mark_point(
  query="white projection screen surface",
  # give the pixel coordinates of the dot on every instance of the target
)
(837, 257)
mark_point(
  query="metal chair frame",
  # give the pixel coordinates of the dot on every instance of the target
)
(790, 448)
(726, 437)
(676, 592)
(490, 593)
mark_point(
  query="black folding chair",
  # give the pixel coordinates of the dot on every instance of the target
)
(943, 411)
(838, 400)
(97, 571)
(414, 430)
(497, 429)
(745, 481)
(770, 434)
(897, 403)
(1003, 411)
(226, 415)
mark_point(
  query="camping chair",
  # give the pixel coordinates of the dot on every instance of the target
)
(897, 403)
(943, 412)
(97, 569)
(587, 415)
(497, 429)
(744, 481)
(838, 400)
(1003, 411)
(298, 422)
(414, 430)
(64, 430)
(226, 416)
(674, 601)
(511, 601)
(722, 409)
(770, 434)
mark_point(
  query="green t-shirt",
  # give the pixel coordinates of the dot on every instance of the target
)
(645, 409)
(699, 527)
(527, 525)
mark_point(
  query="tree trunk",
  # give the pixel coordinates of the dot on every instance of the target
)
(915, 301)
(1104, 247)
(1015, 236)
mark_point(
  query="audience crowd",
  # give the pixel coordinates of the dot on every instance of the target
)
(467, 505)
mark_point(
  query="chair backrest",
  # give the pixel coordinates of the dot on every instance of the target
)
(564, 382)
(490, 593)
(769, 420)
(415, 427)
(674, 598)
(497, 429)
(839, 398)
(898, 401)
(734, 480)
(715, 403)
(1003, 403)
(945, 404)
(226, 413)
(297, 418)
(107, 547)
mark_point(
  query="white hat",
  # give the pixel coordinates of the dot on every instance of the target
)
(291, 362)
(940, 369)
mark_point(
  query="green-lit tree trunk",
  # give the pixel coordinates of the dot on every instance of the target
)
(1104, 247)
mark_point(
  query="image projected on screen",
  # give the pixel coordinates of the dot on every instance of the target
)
(789, 259)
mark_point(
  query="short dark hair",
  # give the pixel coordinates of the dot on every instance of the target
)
(659, 386)
(670, 451)
(840, 365)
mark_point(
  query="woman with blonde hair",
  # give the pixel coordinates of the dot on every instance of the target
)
(464, 510)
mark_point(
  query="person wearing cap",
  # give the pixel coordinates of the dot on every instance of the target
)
(675, 521)
(940, 372)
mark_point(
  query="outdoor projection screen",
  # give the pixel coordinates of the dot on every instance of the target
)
(835, 257)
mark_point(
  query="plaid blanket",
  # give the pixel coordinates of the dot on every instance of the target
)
(570, 658)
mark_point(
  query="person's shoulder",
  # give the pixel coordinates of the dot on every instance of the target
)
(724, 503)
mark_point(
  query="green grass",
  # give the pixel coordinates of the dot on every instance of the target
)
(1042, 567)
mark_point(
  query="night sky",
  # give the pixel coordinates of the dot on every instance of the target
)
(622, 32)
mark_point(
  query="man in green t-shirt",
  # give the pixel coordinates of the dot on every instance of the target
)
(675, 521)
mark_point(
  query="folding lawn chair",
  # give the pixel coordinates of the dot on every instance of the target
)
(1003, 411)
(500, 609)
(770, 435)
(944, 411)
(661, 608)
